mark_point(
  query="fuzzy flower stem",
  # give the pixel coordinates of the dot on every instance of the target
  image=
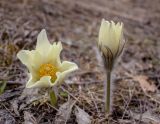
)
(108, 92)
(53, 98)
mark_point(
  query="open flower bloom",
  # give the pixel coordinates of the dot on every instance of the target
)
(44, 64)
(111, 40)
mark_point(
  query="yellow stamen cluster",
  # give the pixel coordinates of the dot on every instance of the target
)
(48, 70)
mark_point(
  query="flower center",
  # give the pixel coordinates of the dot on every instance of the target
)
(48, 70)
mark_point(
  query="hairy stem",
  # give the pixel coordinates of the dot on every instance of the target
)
(108, 92)
(53, 98)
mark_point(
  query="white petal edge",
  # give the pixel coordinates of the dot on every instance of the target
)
(113, 38)
(103, 32)
(54, 54)
(25, 57)
(43, 43)
(66, 68)
(44, 81)
(119, 30)
(29, 58)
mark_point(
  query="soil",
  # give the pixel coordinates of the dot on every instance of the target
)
(76, 24)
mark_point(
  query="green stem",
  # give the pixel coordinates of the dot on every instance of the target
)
(2, 87)
(53, 98)
(108, 92)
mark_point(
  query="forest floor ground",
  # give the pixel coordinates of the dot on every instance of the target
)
(136, 79)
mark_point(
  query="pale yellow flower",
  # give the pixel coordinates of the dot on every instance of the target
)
(44, 64)
(111, 37)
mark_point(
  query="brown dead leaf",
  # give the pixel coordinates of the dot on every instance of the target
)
(82, 117)
(145, 84)
(64, 112)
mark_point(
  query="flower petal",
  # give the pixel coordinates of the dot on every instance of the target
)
(106, 35)
(119, 30)
(110, 35)
(29, 58)
(37, 60)
(26, 58)
(103, 32)
(54, 54)
(66, 68)
(43, 44)
(43, 82)
(114, 42)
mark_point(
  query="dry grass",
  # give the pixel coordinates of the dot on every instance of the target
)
(76, 24)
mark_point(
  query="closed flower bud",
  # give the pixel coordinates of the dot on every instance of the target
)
(110, 43)
(111, 40)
